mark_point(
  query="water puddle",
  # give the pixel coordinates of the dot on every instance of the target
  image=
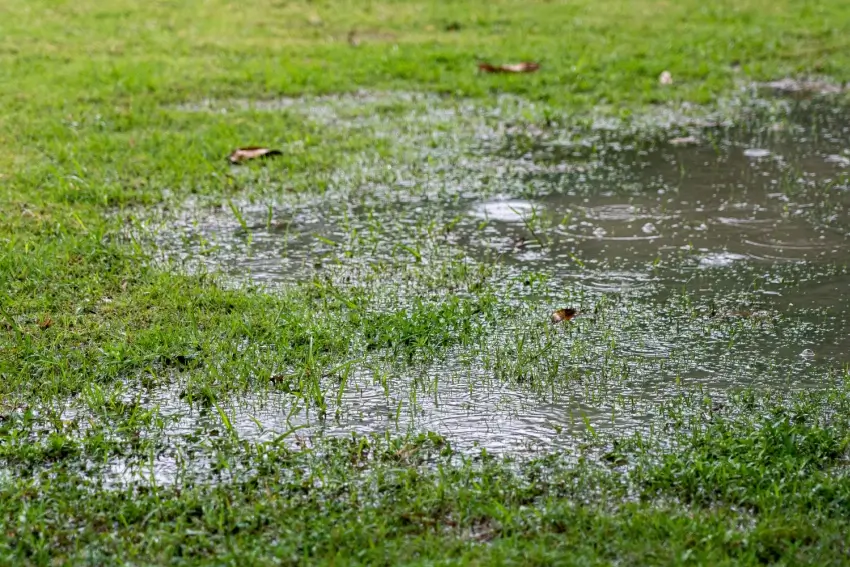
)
(698, 267)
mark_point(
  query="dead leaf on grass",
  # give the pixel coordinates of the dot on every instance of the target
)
(45, 323)
(406, 452)
(242, 155)
(563, 315)
(523, 67)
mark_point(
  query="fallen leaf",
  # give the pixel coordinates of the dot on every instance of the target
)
(251, 152)
(524, 67)
(405, 452)
(666, 78)
(685, 141)
(563, 315)
(45, 323)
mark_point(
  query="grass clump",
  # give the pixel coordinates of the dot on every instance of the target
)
(780, 463)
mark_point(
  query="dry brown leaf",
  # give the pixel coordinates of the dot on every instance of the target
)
(242, 155)
(563, 315)
(524, 67)
(405, 452)
(45, 323)
(666, 78)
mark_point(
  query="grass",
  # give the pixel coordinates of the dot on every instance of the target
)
(750, 492)
(94, 142)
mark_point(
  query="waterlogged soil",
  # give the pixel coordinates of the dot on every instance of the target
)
(699, 263)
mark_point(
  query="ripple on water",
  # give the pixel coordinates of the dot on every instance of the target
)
(508, 211)
(656, 245)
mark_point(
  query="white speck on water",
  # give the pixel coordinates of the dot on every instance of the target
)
(835, 158)
(756, 152)
(719, 259)
(504, 211)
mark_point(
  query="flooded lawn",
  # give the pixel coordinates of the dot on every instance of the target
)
(420, 282)
(699, 265)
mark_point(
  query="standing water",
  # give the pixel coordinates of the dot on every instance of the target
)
(705, 265)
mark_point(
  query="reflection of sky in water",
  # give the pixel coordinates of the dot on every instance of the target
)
(716, 269)
(675, 204)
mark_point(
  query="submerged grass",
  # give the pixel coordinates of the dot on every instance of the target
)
(98, 126)
(736, 492)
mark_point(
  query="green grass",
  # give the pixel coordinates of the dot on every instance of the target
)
(91, 139)
(741, 492)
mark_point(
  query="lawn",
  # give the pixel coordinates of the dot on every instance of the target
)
(105, 126)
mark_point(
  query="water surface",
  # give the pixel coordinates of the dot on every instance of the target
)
(705, 266)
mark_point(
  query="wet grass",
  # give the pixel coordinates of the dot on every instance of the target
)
(122, 438)
(738, 490)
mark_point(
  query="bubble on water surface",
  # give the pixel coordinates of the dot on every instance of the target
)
(513, 211)
(756, 153)
(720, 259)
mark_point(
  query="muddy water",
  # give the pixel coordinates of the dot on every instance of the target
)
(714, 264)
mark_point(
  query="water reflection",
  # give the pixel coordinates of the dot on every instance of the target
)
(717, 263)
